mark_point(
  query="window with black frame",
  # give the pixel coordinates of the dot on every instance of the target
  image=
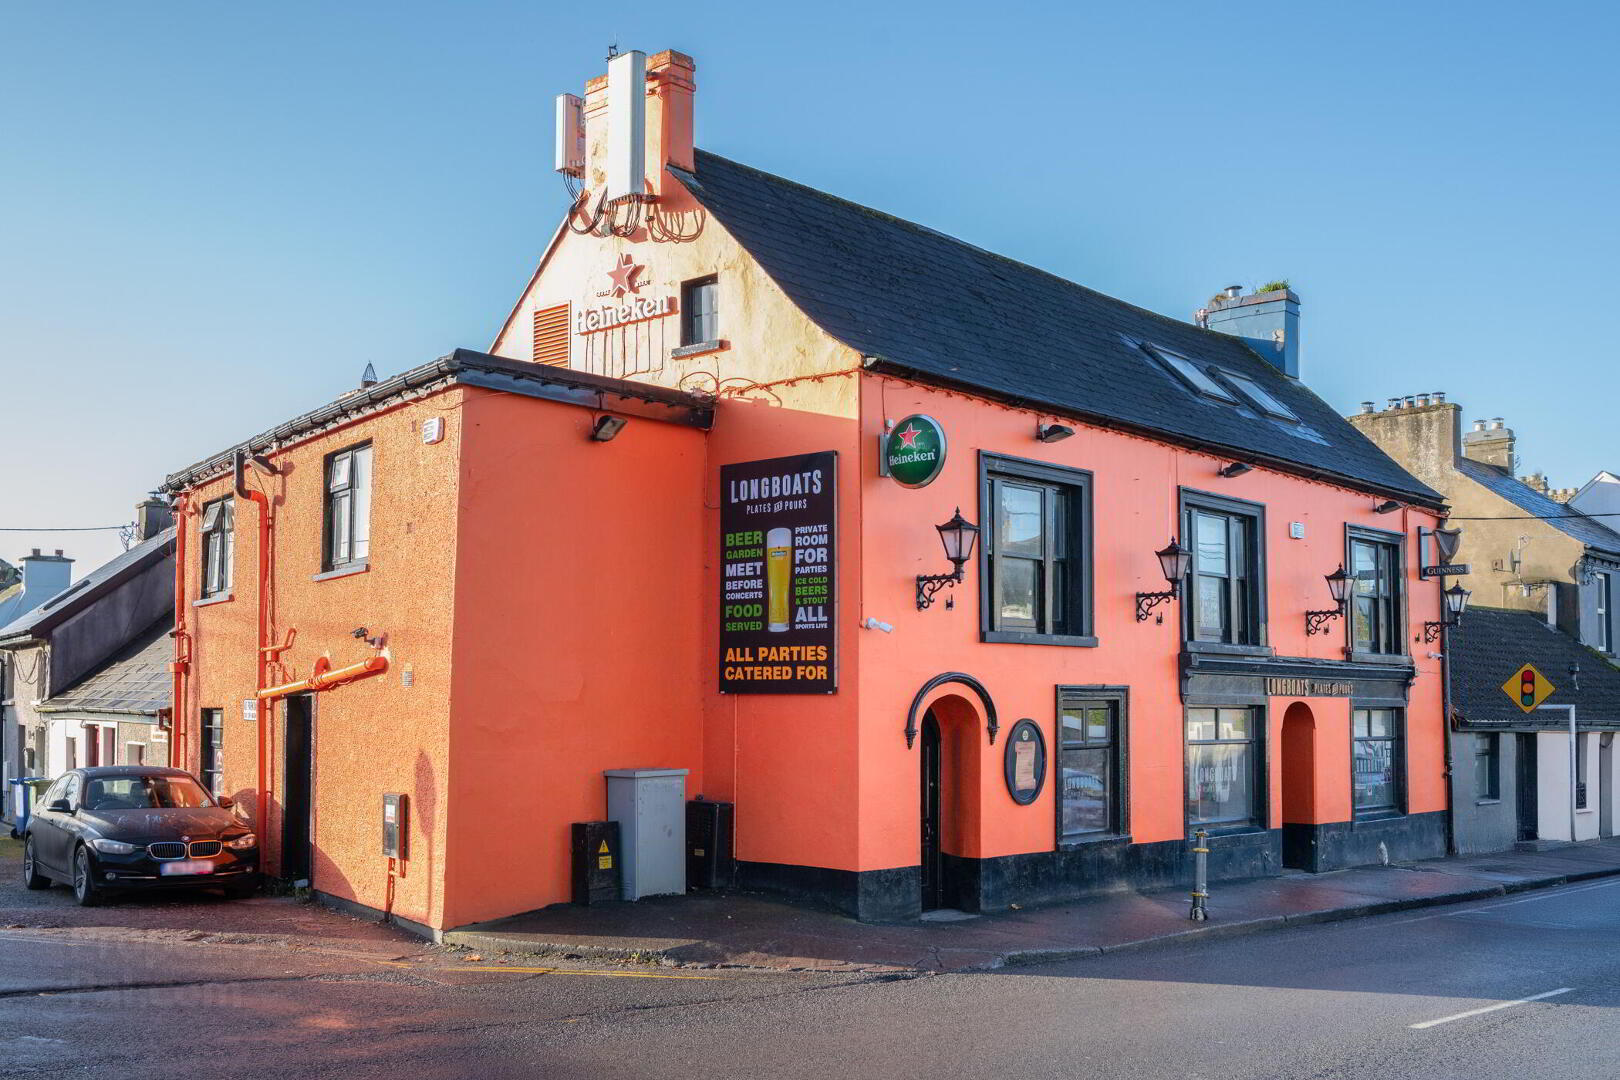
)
(1375, 597)
(1603, 595)
(348, 508)
(700, 311)
(1037, 553)
(1487, 768)
(1224, 604)
(1375, 760)
(218, 526)
(213, 746)
(1223, 765)
(1090, 767)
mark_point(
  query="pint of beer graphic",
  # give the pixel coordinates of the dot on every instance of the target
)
(778, 576)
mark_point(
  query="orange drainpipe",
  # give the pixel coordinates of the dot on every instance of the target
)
(262, 819)
(182, 640)
(326, 676)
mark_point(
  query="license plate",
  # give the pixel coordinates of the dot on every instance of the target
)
(184, 866)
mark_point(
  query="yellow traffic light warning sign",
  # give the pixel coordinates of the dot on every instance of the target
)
(1528, 688)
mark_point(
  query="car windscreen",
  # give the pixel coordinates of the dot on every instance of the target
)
(144, 793)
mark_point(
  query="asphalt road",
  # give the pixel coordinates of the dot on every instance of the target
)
(1391, 997)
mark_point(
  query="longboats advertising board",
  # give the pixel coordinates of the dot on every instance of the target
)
(778, 551)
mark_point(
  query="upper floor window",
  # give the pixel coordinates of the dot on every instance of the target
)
(1603, 588)
(1224, 595)
(700, 311)
(218, 545)
(1375, 598)
(1037, 552)
(1261, 396)
(348, 508)
(1197, 378)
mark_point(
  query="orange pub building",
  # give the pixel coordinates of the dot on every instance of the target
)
(686, 515)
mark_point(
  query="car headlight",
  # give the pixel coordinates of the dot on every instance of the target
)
(112, 847)
(241, 843)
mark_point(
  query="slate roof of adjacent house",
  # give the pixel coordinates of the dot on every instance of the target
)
(134, 680)
(94, 584)
(915, 301)
(1588, 531)
(1492, 644)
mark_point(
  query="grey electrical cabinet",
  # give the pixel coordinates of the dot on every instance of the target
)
(650, 807)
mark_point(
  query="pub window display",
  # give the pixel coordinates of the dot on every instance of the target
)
(1376, 760)
(1089, 768)
(1222, 764)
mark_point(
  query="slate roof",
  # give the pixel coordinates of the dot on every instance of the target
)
(135, 680)
(1491, 644)
(1588, 531)
(87, 588)
(926, 304)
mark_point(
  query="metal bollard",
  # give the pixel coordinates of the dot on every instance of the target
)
(1200, 893)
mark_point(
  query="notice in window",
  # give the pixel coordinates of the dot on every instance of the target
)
(777, 575)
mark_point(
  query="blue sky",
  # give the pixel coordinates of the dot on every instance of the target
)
(213, 216)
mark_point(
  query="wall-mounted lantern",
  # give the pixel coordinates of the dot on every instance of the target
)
(1339, 587)
(1237, 468)
(1456, 604)
(958, 535)
(1050, 433)
(1174, 561)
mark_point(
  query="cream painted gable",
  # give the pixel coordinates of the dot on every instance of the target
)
(767, 338)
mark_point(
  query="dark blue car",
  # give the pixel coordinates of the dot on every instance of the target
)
(114, 828)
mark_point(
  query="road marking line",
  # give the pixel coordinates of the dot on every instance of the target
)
(545, 971)
(1489, 1008)
(1551, 894)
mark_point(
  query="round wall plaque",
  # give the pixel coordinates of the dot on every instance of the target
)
(1025, 762)
(914, 451)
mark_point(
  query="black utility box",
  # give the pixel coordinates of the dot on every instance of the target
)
(595, 852)
(710, 863)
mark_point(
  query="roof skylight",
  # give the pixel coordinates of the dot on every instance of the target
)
(1261, 397)
(1193, 375)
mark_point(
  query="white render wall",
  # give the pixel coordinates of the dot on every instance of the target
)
(1552, 787)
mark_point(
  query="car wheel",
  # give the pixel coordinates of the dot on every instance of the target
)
(85, 889)
(32, 878)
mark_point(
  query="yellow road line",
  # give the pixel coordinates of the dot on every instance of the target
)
(547, 971)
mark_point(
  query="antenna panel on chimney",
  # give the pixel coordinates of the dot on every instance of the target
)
(570, 135)
(627, 125)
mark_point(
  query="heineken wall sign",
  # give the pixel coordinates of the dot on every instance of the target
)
(777, 584)
(914, 451)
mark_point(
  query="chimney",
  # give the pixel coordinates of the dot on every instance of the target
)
(663, 113)
(1490, 443)
(43, 577)
(152, 516)
(1268, 320)
(1422, 432)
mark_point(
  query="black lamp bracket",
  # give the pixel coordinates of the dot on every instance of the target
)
(1147, 601)
(929, 584)
(1316, 621)
(1433, 630)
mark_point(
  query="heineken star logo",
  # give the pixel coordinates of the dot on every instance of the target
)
(908, 436)
(625, 277)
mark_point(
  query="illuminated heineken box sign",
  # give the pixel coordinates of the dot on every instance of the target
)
(914, 451)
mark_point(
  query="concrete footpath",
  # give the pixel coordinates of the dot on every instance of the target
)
(750, 930)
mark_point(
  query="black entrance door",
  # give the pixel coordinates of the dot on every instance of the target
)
(933, 875)
(297, 795)
(1525, 785)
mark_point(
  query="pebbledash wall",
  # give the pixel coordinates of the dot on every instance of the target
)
(550, 609)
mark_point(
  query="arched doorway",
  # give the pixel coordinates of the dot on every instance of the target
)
(951, 747)
(1299, 787)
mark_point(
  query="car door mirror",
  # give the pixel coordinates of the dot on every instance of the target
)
(59, 806)
(225, 802)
